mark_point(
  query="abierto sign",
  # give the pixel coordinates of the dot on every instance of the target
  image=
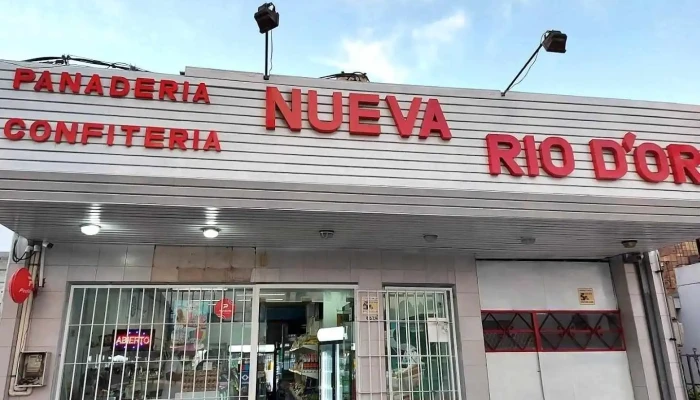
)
(133, 339)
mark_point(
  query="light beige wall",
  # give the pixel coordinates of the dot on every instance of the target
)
(371, 269)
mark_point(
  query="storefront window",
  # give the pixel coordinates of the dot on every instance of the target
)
(157, 343)
(422, 355)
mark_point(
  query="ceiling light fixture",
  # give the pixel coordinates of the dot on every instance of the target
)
(629, 243)
(210, 233)
(430, 238)
(326, 233)
(90, 229)
(528, 240)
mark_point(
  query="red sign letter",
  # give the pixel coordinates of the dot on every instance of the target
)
(115, 90)
(598, 147)
(91, 130)
(498, 154)
(567, 154)
(154, 137)
(143, 88)
(640, 162)
(683, 166)
(274, 102)
(8, 129)
(67, 81)
(358, 114)
(403, 124)
(212, 142)
(36, 135)
(325, 126)
(23, 75)
(201, 93)
(44, 82)
(434, 121)
(94, 85)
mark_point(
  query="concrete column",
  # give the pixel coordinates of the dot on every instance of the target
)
(637, 341)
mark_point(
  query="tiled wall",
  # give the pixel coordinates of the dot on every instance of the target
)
(163, 264)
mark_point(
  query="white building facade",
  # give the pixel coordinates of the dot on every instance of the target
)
(471, 246)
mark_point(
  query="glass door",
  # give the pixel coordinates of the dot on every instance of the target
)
(300, 368)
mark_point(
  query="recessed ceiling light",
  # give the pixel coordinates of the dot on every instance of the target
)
(527, 240)
(326, 233)
(210, 232)
(90, 229)
(629, 243)
(430, 238)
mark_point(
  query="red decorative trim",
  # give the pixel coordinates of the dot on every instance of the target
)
(552, 330)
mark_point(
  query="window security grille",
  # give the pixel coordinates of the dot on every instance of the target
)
(156, 343)
(407, 345)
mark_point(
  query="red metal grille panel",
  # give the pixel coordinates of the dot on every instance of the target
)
(552, 331)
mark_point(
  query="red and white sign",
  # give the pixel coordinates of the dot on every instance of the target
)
(139, 340)
(21, 285)
(554, 156)
(154, 137)
(363, 116)
(144, 88)
(224, 309)
(133, 339)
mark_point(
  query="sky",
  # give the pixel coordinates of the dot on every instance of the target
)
(637, 49)
(633, 49)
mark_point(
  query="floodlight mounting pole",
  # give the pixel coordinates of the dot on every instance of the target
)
(503, 93)
(267, 45)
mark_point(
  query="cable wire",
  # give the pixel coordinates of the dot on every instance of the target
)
(272, 51)
(350, 76)
(66, 58)
(532, 63)
(23, 257)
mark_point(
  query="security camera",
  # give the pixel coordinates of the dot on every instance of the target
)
(631, 258)
(47, 244)
(629, 244)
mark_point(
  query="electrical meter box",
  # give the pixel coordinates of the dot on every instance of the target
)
(32, 369)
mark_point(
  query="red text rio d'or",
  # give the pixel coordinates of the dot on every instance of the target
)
(119, 87)
(681, 161)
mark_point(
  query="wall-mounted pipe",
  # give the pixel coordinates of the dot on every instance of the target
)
(33, 263)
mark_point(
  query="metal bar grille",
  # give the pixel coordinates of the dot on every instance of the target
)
(151, 342)
(552, 331)
(406, 345)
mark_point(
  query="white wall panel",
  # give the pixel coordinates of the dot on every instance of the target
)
(588, 375)
(543, 285)
(514, 376)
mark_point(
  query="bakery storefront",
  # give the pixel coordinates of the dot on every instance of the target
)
(213, 235)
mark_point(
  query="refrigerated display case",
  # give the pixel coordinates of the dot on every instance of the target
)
(336, 358)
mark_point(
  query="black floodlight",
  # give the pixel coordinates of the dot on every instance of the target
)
(267, 17)
(553, 42)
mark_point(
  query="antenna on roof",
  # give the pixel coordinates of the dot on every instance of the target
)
(66, 59)
(348, 76)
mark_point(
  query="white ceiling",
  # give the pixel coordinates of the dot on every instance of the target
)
(487, 237)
